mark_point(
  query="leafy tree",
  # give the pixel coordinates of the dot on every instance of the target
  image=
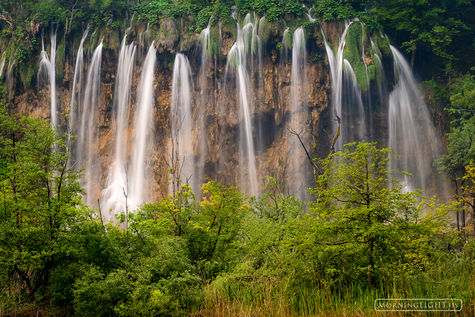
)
(39, 200)
(430, 26)
(360, 220)
(461, 137)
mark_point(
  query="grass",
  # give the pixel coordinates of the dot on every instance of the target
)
(279, 299)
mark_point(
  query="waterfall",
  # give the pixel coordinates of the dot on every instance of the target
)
(2, 65)
(412, 135)
(76, 89)
(297, 171)
(200, 123)
(286, 44)
(48, 65)
(181, 156)
(143, 127)
(336, 71)
(87, 134)
(240, 56)
(353, 128)
(114, 194)
(309, 14)
(298, 79)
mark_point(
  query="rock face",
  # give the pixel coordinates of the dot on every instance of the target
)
(219, 125)
(222, 119)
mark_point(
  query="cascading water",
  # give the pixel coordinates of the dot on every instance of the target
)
(114, 194)
(76, 89)
(143, 127)
(48, 66)
(354, 124)
(257, 108)
(87, 133)
(2, 65)
(412, 135)
(181, 156)
(296, 171)
(239, 57)
(200, 124)
(336, 70)
(309, 14)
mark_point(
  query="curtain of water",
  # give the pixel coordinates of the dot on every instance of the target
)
(181, 156)
(114, 194)
(76, 94)
(240, 59)
(87, 134)
(412, 135)
(143, 127)
(48, 66)
(200, 122)
(336, 71)
(297, 173)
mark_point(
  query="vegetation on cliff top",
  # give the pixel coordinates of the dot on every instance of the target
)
(441, 29)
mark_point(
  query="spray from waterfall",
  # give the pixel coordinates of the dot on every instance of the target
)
(181, 156)
(86, 148)
(143, 127)
(114, 194)
(48, 66)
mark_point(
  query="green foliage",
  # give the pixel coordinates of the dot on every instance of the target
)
(40, 200)
(334, 10)
(433, 26)
(461, 147)
(362, 217)
(168, 256)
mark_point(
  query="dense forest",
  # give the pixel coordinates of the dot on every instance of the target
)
(219, 251)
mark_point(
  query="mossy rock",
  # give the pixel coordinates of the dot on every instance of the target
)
(382, 44)
(264, 30)
(357, 44)
(60, 53)
(27, 72)
(111, 39)
(167, 37)
(213, 50)
(94, 39)
(187, 41)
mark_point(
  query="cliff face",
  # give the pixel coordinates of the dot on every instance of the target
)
(254, 90)
(269, 98)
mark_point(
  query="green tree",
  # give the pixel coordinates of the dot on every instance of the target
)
(461, 137)
(358, 225)
(39, 197)
(439, 27)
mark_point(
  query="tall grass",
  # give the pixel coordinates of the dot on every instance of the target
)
(282, 298)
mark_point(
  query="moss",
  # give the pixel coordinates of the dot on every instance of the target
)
(60, 61)
(10, 52)
(265, 30)
(213, 49)
(382, 43)
(94, 39)
(27, 72)
(287, 39)
(168, 34)
(357, 41)
(112, 39)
